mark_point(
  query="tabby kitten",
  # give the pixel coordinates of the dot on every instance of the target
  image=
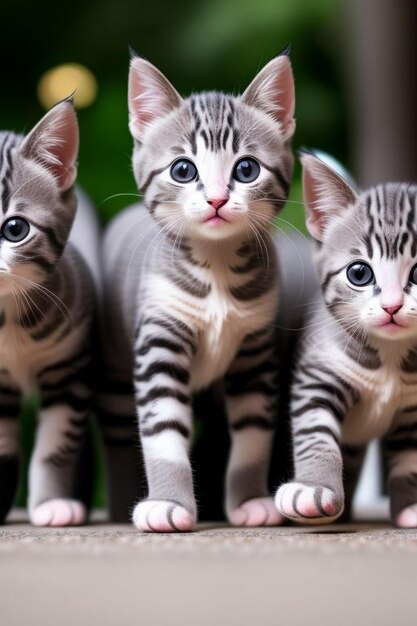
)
(46, 307)
(191, 289)
(356, 377)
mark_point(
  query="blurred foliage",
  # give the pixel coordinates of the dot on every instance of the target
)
(212, 44)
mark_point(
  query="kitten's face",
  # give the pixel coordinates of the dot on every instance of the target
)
(213, 166)
(367, 260)
(375, 286)
(37, 204)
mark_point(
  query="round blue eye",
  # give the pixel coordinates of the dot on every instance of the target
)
(15, 229)
(183, 171)
(360, 274)
(246, 170)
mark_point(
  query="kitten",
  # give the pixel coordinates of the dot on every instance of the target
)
(191, 290)
(46, 308)
(356, 377)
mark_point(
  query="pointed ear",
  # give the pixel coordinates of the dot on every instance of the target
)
(54, 142)
(272, 91)
(151, 96)
(326, 194)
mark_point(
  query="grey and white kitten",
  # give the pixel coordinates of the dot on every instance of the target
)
(46, 309)
(191, 290)
(356, 376)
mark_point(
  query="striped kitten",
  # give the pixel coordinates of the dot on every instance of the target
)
(46, 307)
(192, 288)
(356, 377)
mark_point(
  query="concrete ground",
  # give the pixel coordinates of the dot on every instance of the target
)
(112, 575)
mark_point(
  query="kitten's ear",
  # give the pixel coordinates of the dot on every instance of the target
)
(151, 96)
(272, 91)
(54, 142)
(326, 194)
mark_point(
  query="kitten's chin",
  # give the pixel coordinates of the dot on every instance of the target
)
(218, 229)
(393, 332)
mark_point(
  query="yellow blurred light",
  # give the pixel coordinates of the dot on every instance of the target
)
(61, 81)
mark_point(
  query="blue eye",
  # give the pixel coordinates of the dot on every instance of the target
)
(246, 170)
(360, 274)
(15, 229)
(183, 171)
(413, 275)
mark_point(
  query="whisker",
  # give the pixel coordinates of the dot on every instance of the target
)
(117, 195)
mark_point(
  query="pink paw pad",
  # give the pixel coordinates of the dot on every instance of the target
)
(162, 516)
(407, 518)
(58, 512)
(256, 512)
(303, 503)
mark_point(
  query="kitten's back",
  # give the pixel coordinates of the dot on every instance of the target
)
(85, 235)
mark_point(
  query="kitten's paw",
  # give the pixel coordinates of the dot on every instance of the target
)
(309, 505)
(59, 512)
(407, 518)
(162, 516)
(256, 512)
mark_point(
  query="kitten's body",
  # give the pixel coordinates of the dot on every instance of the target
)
(194, 301)
(47, 303)
(221, 318)
(356, 376)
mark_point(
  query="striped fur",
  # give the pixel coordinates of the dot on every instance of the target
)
(46, 308)
(356, 377)
(188, 302)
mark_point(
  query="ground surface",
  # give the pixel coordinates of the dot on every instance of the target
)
(113, 575)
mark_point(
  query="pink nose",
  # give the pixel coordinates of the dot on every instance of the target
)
(218, 202)
(392, 309)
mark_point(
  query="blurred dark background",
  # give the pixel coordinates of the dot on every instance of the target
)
(355, 66)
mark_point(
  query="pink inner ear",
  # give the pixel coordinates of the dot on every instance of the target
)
(65, 149)
(285, 96)
(54, 144)
(150, 96)
(326, 194)
(272, 91)
(315, 217)
(141, 99)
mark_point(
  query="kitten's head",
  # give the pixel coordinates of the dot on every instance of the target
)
(366, 253)
(37, 203)
(213, 165)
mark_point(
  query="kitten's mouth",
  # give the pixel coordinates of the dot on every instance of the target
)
(391, 326)
(215, 220)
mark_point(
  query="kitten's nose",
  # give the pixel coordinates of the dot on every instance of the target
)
(392, 309)
(217, 203)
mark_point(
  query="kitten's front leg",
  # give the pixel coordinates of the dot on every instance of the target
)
(400, 447)
(66, 401)
(251, 397)
(163, 355)
(319, 404)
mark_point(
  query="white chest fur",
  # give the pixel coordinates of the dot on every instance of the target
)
(384, 392)
(224, 323)
(219, 320)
